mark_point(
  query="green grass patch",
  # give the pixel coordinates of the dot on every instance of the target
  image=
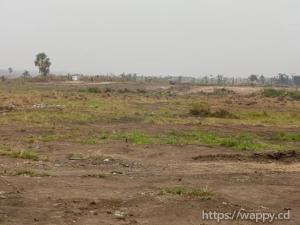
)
(76, 157)
(238, 142)
(203, 110)
(270, 92)
(89, 141)
(242, 142)
(133, 137)
(286, 136)
(22, 154)
(269, 118)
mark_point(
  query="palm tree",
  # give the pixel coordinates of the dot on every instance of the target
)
(43, 63)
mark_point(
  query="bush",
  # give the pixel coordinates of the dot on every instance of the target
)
(205, 111)
(273, 93)
(294, 95)
(91, 90)
(200, 110)
(222, 91)
(222, 113)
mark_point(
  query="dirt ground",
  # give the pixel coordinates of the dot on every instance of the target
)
(120, 183)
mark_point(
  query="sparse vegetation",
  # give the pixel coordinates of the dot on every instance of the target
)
(286, 136)
(132, 137)
(101, 176)
(130, 149)
(242, 142)
(202, 193)
(237, 142)
(89, 141)
(203, 110)
(44, 138)
(22, 154)
(76, 157)
(101, 139)
(30, 173)
(200, 110)
(271, 92)
(91, 90)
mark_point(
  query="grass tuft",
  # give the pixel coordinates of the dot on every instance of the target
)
(101, 176)
(202, 193)
(205, 111)
(133, 137)
(30, 173)
(200, 110)
(22, 154)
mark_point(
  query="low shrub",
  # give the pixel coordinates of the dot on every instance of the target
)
(205, 111)
(200, 110)
(273, 93)
(202, 193)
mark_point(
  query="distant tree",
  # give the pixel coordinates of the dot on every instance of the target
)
(253, 78)
(26, 73)
(134, 77)
(205, 79)
(220, 79)
(262, 79)
(283, 78)
(43, 63)
(2, 78)
(211, 79)
(10, 70)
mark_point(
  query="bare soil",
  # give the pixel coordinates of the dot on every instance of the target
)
(120, 183)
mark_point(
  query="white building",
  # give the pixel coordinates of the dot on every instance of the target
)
(74, 77)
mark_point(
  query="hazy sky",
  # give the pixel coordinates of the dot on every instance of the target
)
(160, 37)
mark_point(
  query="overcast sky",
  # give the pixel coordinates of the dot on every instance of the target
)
(159, 37)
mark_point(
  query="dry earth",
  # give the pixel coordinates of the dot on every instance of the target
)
(121, 183)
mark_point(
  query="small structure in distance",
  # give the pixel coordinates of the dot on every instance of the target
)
(75, 77)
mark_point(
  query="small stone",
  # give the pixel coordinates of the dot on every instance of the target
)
(124, 164)
(116, 172)
(119, 214)
(93, 212)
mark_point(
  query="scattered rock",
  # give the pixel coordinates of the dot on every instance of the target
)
(124, 164)
(116, 172)
(93, 212)
(119, 214)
